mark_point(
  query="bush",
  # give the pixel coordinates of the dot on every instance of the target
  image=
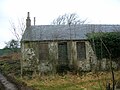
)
(110, 39)
(10, 67)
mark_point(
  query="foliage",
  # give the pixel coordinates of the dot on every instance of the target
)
(10, 67)
(12, 45)
(7, 51)
(4, 51)
(110, 39)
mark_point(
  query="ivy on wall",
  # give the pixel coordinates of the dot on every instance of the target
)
(110, 39)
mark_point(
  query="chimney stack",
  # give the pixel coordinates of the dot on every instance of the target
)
(28, 21)
(34, 21)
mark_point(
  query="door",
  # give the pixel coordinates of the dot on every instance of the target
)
(62, 53)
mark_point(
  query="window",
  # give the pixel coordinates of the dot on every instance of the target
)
(43, 51)
(62, 52)
(81, 51)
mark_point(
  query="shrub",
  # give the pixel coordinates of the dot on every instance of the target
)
(110, 39)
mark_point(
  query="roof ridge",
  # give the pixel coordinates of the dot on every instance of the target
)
(82, 25)
(62, 32)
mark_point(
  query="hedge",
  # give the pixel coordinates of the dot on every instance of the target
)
(111, 41)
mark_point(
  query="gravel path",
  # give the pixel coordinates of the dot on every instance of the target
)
(8, 85)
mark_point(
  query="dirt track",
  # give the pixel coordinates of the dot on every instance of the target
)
(9, 83)
(6, 84)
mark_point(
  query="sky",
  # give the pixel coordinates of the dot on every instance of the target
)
(95, 11)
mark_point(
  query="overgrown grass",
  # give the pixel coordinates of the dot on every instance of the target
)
(86, 81)
(89, 81)
(10, 67)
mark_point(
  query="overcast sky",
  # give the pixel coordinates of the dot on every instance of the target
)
(96, 12)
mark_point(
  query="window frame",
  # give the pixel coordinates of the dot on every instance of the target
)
(44, 53)
(81, 50)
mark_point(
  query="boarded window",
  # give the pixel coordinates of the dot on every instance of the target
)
(62, 52)
(43, 51)
(81, 51)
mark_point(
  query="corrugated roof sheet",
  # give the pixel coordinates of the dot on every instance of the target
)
(64, 32)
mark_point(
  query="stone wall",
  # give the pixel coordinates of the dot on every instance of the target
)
(90, 63)
(104, 64)
(30, 56)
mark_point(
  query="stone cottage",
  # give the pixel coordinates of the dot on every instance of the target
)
(49, 47)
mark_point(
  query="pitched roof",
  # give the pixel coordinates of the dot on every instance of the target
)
(64, 32)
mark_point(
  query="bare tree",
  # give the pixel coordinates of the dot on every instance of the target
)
(71, 19)
(68, 19)
(17, 29)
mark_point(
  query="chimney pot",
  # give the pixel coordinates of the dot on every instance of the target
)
(34, 21)
(28, 21)
(28, 14)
